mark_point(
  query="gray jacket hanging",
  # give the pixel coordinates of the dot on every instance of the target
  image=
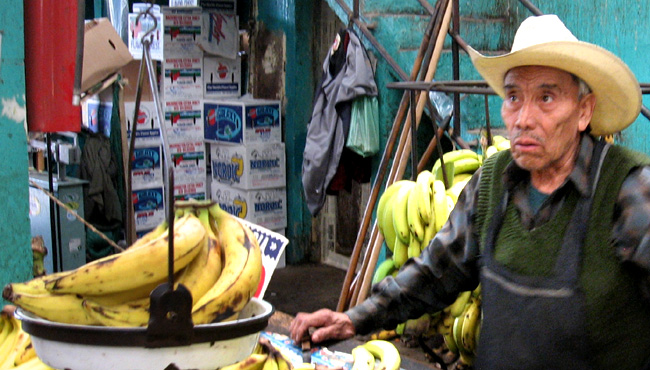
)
(327, 130)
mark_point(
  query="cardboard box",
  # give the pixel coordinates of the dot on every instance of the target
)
(182, 31)
(224, 6)
(191, 190)
(265, 207)
(104, 52)
(188, 161)
(148, 127)
(254, 166)
(96, 115)
(149, 207)
(182, 78)
(221, 77)
(242, 121)
(220, 34)
(146, 167)
(184, 120)
(139, 27)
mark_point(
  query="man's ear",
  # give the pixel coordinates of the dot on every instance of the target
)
(586, 106)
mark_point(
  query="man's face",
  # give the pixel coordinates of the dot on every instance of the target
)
(543, 117)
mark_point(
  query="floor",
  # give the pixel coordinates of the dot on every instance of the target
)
(305, 288)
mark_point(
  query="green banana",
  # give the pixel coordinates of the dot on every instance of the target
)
(466, 165)
(400, 207)
(456, 309)
(384, 213)
(470, 323)
(384, 269)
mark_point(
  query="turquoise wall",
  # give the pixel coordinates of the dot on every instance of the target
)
(15, 247)
(294, 19)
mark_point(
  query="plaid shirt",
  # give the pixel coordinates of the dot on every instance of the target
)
(449, 264)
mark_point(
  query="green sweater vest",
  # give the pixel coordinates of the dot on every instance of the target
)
(618, 319)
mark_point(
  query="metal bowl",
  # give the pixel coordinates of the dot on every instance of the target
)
(82, 347)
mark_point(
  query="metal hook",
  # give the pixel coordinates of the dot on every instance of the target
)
(150, 14)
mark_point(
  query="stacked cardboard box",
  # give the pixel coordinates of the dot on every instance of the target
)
(223, 146)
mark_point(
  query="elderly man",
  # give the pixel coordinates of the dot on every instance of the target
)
(556, 229)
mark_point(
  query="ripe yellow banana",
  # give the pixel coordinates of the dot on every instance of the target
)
(136, 267)
(457, 187)
(414, 248)
(33, 286)
(400, 253)
(241, 272)
(362, 359)
(28, 354)
(424, 184)
(385, 213)
(150, 236)
(64, 308)
(118, 298)
(453, 157)
(133, 314)
(503, 145)
(19, 345)
(283, 364)
(204, 270)
(490, 151)
(13, 330)
(400, 206)
(415, 222)
(271, 363)
(252, 362)
(441, 210)
(386, 352)
(470, 324)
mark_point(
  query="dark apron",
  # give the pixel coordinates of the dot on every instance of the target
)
(536, 322)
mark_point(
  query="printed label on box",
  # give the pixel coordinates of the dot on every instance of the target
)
(265, 207)
(242, 121)
(148, 128)
(190, 190)
(254, 166)
(183, 78)
(188, 161)
(220, 34)
(182, 27)
(138, 28)
(224, 6)
(183, 120)
(221, 77)
(149, 207)
(146, 169)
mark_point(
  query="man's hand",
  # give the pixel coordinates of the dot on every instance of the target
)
(329, 324)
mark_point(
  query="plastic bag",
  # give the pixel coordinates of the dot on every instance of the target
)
(363, 137)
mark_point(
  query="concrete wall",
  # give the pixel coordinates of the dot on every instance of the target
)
(15, 248)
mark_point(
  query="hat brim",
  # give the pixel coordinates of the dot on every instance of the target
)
(617, 91)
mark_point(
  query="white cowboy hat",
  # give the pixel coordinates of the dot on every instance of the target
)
(545, 41)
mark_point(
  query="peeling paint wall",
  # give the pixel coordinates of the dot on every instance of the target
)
(15, 249)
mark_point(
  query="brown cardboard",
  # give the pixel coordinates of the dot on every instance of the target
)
(104, 52)
(130, 74)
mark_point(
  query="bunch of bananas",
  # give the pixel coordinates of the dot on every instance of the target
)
(366, 354)
(216, 258)
(409, 213)
(499, 143)
(460, 325)
(264, 357)
(16, 350)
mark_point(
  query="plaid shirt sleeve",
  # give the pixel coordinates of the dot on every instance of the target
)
(631, 233)
(431, 282)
